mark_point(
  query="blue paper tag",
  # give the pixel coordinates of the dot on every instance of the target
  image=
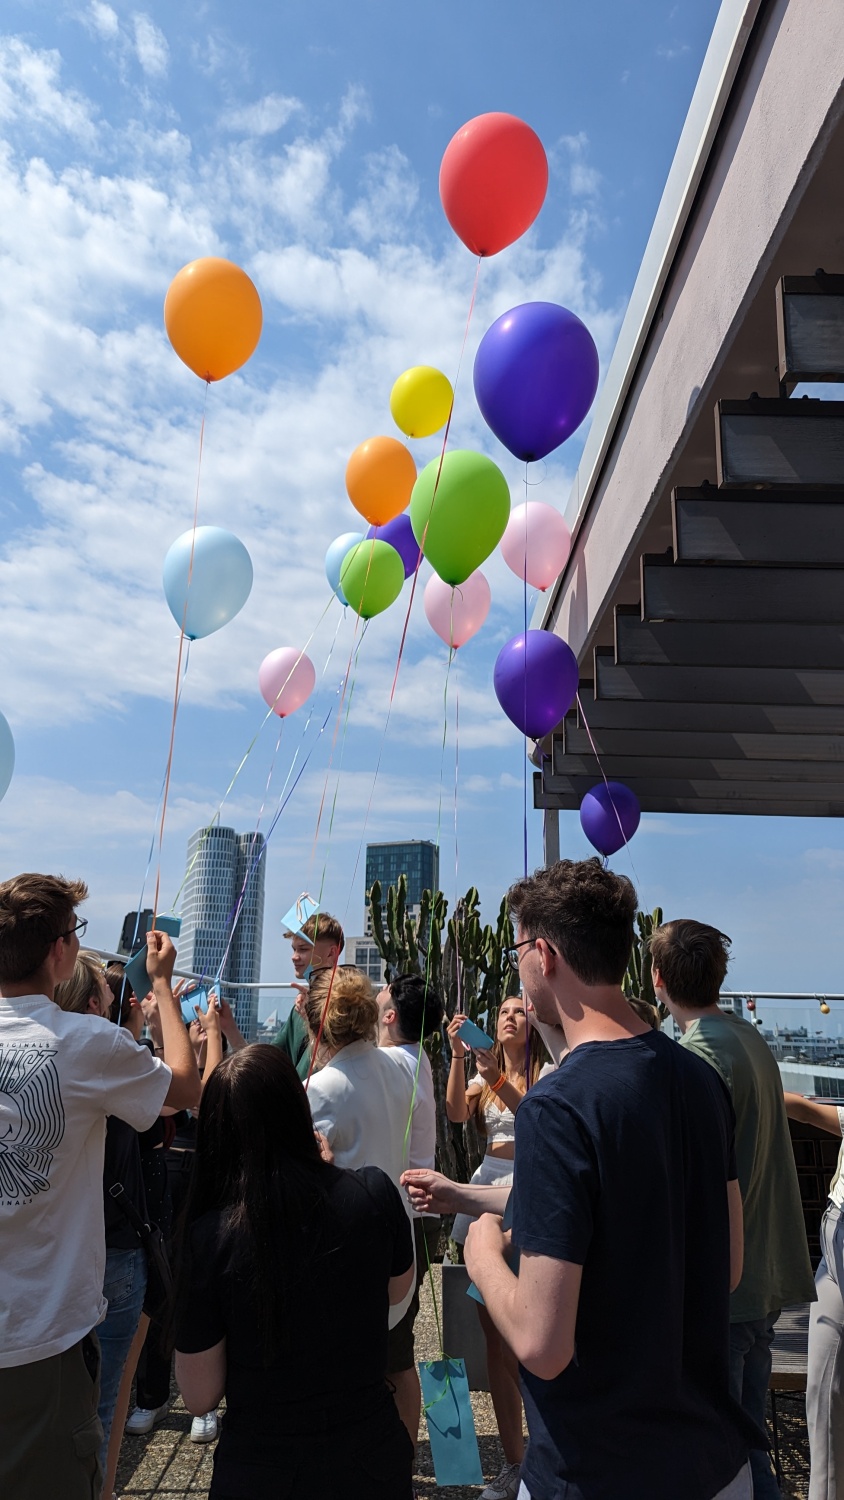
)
(451, 1425)
(300, 912)
(136, 970)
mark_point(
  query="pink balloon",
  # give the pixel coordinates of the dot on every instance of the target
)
(456, 614)
(286, 678)
(537, 534)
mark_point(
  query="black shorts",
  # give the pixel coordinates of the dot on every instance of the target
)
(400, 1354)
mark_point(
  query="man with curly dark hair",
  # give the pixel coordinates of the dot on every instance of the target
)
(627, 1220)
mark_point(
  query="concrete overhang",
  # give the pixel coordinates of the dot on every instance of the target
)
(754, 194)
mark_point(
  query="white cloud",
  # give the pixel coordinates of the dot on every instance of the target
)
(151, 47)
(103, 20)
(390, 194)
(30, 92)
(670, 51)
(264, 117)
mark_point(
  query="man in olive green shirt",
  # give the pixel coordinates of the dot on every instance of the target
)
(317, 945)
(689, 964)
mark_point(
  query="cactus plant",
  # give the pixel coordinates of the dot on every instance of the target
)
(638, 981)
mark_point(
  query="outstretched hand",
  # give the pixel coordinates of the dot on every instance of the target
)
(430, 1192)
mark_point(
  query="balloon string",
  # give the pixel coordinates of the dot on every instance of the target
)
(241, 898)
(182, 638)
(351, 670)
(579, 703)
(437, 479)
(524, 718)
(253, 742)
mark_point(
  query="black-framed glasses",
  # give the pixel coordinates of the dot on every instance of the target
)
(512, 954)
(80, 930)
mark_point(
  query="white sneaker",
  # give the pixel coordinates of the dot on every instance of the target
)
(204, 1429)
(505, 1486)
(144, 1418)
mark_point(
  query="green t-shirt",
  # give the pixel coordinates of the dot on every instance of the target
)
(777, 1269)
(293, 1039)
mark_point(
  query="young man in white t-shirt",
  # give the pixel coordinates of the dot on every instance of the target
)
(409, 1010)
(61, 1074)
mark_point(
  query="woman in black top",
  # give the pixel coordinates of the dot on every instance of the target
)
(289, 1267)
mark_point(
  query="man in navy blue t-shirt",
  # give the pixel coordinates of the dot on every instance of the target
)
(627, 1217)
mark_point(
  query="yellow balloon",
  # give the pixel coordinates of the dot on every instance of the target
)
(420, 401)
(213, 317)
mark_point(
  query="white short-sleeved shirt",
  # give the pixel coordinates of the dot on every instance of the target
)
(422, 1146)
(61, 1074)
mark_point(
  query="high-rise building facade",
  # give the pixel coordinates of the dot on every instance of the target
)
(222, 867)
(418, 859)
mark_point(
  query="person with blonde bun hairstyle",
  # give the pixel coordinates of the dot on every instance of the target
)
(360, 1101)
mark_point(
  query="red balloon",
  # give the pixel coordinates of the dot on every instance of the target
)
(493, 181)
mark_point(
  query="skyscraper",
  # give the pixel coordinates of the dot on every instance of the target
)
(418, 859)
(222, 867)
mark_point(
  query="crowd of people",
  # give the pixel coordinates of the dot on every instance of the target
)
(264, 1215)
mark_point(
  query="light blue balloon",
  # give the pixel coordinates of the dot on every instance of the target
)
(7, 756)
(335, 557)
(220, 580)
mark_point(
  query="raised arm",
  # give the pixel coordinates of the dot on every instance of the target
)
(431, 1192)
(460, 1102)
(810, 1112)
(185, 1088)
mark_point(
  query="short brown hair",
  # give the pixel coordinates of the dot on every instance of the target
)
(35, 910)
(582, 910)
(75, 992)
(692, 960)
(323, 928)
(351, 1014)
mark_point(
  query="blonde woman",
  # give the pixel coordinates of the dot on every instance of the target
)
(491, 1097)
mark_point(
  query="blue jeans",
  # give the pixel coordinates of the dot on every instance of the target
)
(124, 1288)
(750, 1371)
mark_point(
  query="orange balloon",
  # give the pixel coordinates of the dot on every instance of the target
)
(212, 313)
(380, 476)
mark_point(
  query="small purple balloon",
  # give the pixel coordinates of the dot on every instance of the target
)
(399, 533)
(535, 681)
(536, 374)
(609, 816)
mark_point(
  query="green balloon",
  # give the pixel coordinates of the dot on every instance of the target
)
(462, 523)
(371, 577)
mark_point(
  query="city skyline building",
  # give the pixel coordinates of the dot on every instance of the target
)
(418, 859)
(223, 866)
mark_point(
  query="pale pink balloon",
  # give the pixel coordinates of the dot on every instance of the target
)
(538, 533)
(286, 678)
(456, 614)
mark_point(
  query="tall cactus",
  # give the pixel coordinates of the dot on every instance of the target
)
(471, 971)
(638, 981)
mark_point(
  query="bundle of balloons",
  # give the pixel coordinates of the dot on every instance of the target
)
(535, 378)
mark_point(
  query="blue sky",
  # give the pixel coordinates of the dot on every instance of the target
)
(304, 142)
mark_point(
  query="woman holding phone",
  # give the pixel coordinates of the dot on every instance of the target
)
(491, 1097)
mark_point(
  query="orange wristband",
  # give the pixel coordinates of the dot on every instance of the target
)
(499, 1083)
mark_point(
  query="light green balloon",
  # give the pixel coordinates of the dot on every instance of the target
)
(371, 577)
(460, 525)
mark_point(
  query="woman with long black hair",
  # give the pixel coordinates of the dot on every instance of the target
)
(288, 1269)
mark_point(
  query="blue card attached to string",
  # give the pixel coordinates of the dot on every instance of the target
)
(136, 969)
(300, 912)
(472, 1036)
(512, 1259)
(451, 1425)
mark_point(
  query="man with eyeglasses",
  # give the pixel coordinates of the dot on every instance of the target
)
(627, 1218)
(61, 1075)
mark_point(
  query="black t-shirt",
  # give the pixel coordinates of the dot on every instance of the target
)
(122, 1163)
(334, 1348)
(622, 1161)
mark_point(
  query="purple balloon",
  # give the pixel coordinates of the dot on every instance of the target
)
(535, 681)
(609, 816)
(399, 533)
(536, 374)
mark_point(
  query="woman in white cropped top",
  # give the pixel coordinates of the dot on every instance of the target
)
(491, 1096)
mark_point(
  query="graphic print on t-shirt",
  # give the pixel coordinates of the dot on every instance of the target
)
(31, 1120)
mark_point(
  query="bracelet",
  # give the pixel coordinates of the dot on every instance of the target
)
(499, 1083)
